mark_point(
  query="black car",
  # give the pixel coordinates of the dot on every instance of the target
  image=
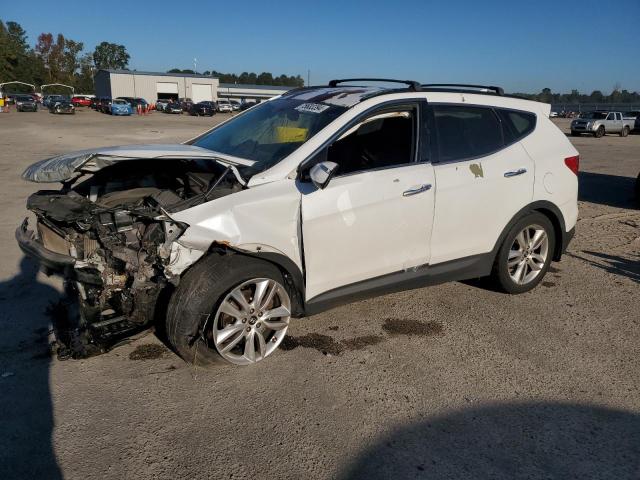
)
(25, 103)
(205, 108)
(62, 106)
(104, 105)
(173, 107)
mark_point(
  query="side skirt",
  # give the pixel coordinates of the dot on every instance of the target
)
(425, 275)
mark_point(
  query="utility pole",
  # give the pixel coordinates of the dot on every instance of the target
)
(195, 65)
(308, 78)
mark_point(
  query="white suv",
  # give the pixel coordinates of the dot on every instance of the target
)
(319, 197)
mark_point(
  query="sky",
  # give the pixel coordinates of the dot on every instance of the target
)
(523, 46)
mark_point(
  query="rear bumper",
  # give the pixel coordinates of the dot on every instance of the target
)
(53, 262)
(566, 239)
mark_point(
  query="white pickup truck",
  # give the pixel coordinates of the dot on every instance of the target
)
(600, 123)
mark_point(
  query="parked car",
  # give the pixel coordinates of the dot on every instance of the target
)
(25, 103)
(235, 105)
(320, 197)
(48, 99)
(173, 107)
(161, 104)
(636, 125)
(185, 103)
(120, 107)
(81, 101)
(135, 101)
(247, 105)
(104, 105)
(205, 108)
(61, 106)
(224, 106)
(600, 123)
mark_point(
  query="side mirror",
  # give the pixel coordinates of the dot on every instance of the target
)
(322, 172)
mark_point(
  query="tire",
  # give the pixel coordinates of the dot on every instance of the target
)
(503, 274)
(599, 133)
(193, 313)
(574, 133)
(624, 132)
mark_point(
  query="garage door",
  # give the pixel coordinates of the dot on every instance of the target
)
(167, 87)
(200, 92)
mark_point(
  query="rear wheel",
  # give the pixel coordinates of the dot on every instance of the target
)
(231, 308)
(624, 132)
(525, 254)
(599, 132)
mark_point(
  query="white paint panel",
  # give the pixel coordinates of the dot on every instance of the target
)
(201, 92)
(167, 87)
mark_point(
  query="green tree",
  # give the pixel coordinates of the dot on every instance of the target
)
(110, 56)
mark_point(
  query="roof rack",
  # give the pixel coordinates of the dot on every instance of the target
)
(411, 84)
(460, 86)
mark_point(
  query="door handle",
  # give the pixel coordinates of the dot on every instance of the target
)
(416, 190)
(515, 173)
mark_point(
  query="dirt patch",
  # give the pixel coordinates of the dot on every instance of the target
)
(334, 328)
(553, 269)
(148, 351)
(548, 284)
(359, 343)
(322, 343)
(399, 326)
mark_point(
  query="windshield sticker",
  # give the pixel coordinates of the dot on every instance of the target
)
(312, 107)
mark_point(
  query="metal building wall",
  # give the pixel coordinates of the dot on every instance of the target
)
(145, 86)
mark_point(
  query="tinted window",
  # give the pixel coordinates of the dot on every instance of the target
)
(516, 125)
(380, 141)
(466, 132)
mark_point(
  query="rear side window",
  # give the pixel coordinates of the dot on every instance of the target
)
(517, 125)
(466, 132)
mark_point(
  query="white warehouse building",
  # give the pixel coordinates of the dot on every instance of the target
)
(153, 86)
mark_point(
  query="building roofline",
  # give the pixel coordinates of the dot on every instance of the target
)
(255, 87)
(156, 74)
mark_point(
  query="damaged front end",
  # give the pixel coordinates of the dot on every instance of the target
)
(112, 238)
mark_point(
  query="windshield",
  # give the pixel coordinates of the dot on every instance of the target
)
(271, 131)
(595, 115)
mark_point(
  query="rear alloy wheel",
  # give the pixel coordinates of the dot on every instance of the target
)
(525, 254)
(599, 132)
(624, 132)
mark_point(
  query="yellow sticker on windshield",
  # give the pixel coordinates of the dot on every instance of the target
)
(291, 134)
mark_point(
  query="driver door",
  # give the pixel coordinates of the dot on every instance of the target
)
(375, 216)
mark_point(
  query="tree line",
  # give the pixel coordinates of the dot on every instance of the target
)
(54, 59)
(617, 95)
(264, 78)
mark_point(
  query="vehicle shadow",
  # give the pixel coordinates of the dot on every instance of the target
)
(603, 189)
(615, 264)
(26, 413)
(510, 441)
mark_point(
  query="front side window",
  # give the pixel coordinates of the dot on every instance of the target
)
(382, 140)
(271, 131)
(466, 132)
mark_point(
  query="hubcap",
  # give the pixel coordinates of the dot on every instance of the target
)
(528, 254)
(251, 321)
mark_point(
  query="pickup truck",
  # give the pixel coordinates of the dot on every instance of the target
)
(600, 123)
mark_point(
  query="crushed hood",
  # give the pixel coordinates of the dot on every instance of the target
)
(65, 167)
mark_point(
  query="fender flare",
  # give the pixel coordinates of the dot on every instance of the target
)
(551, 211)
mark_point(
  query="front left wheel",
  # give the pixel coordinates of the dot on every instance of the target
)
(229, 308)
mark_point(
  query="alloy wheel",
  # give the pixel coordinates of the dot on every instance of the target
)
(528, 254)
(251, 321)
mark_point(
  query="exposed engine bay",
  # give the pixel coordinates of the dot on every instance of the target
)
(115, 227)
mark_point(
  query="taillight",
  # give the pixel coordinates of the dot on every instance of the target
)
(573, 163)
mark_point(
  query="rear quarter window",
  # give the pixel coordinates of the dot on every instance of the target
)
(516, 124)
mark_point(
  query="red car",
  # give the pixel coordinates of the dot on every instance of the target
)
(81, 101)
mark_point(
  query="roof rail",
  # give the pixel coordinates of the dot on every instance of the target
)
(496, 90)
(411, 84)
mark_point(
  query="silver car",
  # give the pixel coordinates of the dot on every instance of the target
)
(600, 123)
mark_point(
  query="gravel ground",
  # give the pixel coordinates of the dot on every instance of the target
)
(452, 381)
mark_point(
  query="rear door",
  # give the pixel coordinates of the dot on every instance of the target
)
(483, 178)
(374, 217)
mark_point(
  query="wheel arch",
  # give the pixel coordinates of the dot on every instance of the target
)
(293, 276)
(549, 210)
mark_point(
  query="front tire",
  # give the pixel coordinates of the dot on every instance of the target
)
(525, 254)
(599, 132)
(228, 309)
